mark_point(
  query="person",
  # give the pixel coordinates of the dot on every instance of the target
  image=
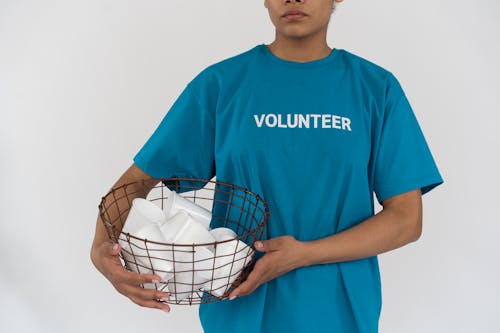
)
(316, 132)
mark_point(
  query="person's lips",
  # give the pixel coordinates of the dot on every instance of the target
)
(294, 14)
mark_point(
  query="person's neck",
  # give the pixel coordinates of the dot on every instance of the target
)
(300, 50)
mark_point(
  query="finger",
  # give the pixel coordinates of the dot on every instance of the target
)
(115, 249)
(146, 294)
(122, 275)
(138, 292)
(137, 279)
(151, 304)
(247, 286)
(259, 245)
(110, 249)
(271, 244)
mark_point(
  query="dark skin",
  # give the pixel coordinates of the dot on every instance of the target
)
(301, 39)
(397, 224)
(104, 256)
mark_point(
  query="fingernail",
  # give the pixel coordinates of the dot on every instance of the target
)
(258, 244)
(232, 297)
(115, 247)
(155, 280)
(166, 310)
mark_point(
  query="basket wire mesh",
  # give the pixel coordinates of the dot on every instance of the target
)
(192, 278)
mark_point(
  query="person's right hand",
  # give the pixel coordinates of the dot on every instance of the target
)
(128, 283)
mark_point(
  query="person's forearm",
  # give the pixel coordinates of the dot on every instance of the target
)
(123, 202)
(387, 230)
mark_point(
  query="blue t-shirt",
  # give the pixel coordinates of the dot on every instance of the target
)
(315, 140)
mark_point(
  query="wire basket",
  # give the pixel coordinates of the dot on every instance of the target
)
(192, 274)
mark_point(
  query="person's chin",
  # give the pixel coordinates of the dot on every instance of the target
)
(296, 34)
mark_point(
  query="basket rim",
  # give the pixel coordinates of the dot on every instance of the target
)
(156, 180)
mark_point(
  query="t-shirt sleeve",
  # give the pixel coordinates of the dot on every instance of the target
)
(401, 160)
(183, 143)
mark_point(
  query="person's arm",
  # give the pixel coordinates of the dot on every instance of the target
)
(104, 253)
(132, 174)
(398, 223)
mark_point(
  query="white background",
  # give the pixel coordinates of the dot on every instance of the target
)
(84, 83)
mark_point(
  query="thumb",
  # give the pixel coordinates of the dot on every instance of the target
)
(262, 245)
(115, 249)
(271, 244)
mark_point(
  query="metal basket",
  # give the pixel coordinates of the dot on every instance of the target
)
(231, 206)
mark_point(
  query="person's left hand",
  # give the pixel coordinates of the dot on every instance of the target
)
(283, 254)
